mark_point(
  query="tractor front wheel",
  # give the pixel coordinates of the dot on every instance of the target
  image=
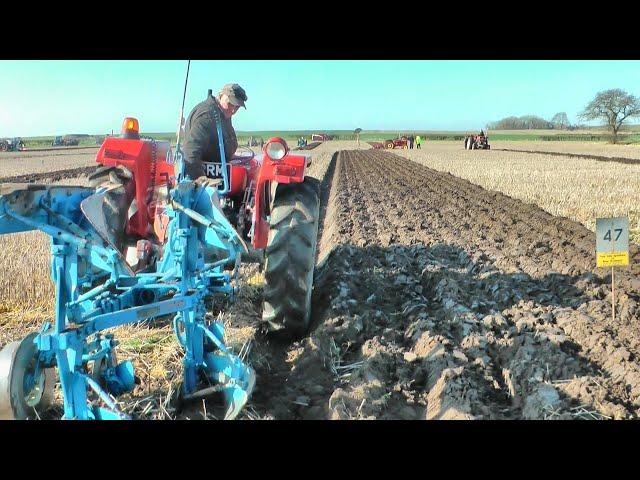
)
(290, 258)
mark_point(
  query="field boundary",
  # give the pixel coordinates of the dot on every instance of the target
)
(57, 149)
(53, 176)
(600, 158)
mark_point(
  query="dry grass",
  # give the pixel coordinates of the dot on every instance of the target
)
(25, 281)
(577, 188)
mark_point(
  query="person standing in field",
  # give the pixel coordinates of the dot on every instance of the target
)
(410, 139)
(201, 135)
(418, 141)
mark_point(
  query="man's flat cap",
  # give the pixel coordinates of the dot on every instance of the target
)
(237, 95)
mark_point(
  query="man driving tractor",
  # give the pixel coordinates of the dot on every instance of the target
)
(201, 136)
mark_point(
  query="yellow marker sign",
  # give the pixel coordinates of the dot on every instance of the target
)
(612, 242)
(612, 259)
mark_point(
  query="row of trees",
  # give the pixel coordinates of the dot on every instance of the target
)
(613, 107)
(531, 122)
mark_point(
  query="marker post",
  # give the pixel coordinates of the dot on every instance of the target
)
(612, 248)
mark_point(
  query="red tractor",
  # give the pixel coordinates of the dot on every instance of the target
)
(401, 142)
(477, 142)
(321, 137)
(273, 206)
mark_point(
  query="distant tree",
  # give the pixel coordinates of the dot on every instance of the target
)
(357, 132)
(560, 120)
(613, 106)
(526, 122)
(532, 122)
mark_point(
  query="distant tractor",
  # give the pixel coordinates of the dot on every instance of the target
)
(477, 142)
(401, 142)
(66, 141)
(11, 144)
(321, 137)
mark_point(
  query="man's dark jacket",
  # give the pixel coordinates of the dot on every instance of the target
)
(201, 137)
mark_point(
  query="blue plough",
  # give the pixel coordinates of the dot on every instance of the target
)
(97, 290)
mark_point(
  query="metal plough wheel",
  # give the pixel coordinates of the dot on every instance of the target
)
(99, 367)
(22, 395)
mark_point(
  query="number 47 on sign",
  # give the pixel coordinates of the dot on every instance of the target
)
(612, 242)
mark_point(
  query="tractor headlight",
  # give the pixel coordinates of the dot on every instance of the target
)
(276, 148)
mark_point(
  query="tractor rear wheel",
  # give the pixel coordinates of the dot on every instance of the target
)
(290, 258)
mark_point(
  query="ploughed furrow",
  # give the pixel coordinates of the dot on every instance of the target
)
(519, 222)
(51, 176)
(444, 300)
(436, 299)
(565, 247)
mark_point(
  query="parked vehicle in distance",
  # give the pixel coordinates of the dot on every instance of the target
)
(11, 144)
(66, 141)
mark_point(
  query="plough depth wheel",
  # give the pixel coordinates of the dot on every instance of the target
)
(25, 389)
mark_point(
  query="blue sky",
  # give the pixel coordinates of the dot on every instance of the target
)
(59, 97)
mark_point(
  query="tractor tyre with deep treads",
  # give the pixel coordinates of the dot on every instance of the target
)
(290, 258)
